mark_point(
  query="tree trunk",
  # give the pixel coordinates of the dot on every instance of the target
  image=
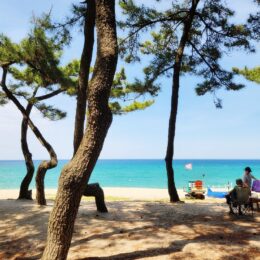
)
(24, 188)
(43, 168)
(174, 197)
(40, 175)
(77, 172)
(45, 165)
(85, 63)
(94, 190)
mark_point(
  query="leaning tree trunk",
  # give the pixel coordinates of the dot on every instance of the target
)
(45, 165)
(174, 197)
(43, 168)
(75, 175)
(85, 63)
(24, 188)
(91, 190)
(40, 175)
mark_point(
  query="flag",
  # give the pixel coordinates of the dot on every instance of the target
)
(188, 166)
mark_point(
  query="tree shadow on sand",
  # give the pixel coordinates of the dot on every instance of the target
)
(144, 229)
(208, 224)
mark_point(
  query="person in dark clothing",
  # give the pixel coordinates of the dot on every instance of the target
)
(236, 195)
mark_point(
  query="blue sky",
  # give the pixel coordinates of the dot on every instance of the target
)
(202, 130)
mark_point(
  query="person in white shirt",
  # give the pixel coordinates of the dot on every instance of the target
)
(247, 178)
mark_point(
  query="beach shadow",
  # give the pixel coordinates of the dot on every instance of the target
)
(208, 226)
(178, 246)
(24, 216)
(142, 224)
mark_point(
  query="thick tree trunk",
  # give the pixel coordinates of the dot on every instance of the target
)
(85, 63)
(174, 197)
(94, 190)
(25, 193)
(76, 174)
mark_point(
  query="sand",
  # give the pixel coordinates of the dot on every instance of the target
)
(124, 193)
(133, 229)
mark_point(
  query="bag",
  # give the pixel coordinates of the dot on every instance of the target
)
(256, 186)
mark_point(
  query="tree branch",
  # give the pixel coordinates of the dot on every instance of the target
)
(35, 130)
(212, 70)
(47, 96)
(150, 23)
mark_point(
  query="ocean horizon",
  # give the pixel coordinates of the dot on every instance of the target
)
(139, 173)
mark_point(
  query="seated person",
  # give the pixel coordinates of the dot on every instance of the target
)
(240, 194)
(247, 177)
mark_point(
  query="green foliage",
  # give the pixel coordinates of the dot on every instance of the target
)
(124, 96)
(49, 112)
(71, 74)
(118, 109)
(212, 34)
(9, 52)
(34, 66)
(3, 99)
(250, 74)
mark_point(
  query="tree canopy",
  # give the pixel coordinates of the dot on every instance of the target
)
(212, 35)
(34, 66)
(125, 96)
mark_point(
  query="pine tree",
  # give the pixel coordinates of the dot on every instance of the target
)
(76, 173)
(124, 97)
(33, 66)
(187, 38)
(34, 76)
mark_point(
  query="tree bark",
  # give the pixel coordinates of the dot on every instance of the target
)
(94, 190)
(45, 165)
(85, 62)
(40, 175)
(77, 172)
(174, 197)
(24, 188)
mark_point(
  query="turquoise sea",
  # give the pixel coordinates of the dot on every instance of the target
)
(139, 173)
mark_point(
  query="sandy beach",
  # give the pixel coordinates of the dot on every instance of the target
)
(141, 224)
(116, 193)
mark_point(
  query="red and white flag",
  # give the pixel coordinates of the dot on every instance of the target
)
(188, 166)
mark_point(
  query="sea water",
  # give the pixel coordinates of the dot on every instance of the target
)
(139, 173)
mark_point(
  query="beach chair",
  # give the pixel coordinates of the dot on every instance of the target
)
(242, 204)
